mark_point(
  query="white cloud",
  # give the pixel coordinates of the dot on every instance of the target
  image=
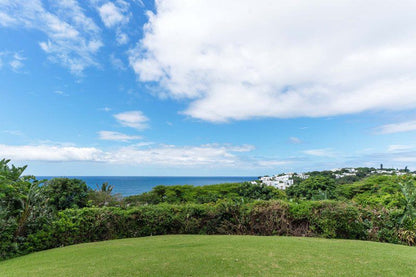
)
(295, 140)
(272, 163)
(170, 155)
(51, 153)
(400, 127)
(60, 92)
(14, 60)
(212, 155)
(399, 148)
(133, 119)
(206, 156)
(116, 136)
(113, 15)
(105, 109)
(14, 132)
(5, 19)
(405, 159)
(117, 63)
(143, 144)
(140, 3)
(16, 65)
(324, 152)
(281, 58)
(122, 38)
(73, 39)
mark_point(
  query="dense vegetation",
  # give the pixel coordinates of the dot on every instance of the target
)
(190, 255)
(37, 215)
(206, 194)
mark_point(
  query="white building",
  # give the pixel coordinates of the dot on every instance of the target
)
(281, 181)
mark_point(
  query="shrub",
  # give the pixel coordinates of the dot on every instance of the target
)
(330, 219)
(66, 193)
(206, 194)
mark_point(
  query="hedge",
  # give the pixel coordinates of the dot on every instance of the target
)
(329, 219)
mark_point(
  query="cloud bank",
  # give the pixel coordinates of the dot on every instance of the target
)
(211, 155)
(240, 60)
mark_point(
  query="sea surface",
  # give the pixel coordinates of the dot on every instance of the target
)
(131, 185)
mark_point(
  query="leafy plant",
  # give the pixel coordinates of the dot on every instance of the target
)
(409, 192)
(65, 193)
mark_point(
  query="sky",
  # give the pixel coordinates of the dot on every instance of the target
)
(206, 88)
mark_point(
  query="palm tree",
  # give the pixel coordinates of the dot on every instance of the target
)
(105, 187)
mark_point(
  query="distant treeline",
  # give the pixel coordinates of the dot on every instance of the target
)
(206, 194)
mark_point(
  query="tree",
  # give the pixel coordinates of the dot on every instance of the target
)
(315, 187)
(103, 196)
(65, 193)
(21, 204)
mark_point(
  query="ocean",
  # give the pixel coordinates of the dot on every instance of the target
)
(131, 185)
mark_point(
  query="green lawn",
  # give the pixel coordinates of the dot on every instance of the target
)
(193, 255)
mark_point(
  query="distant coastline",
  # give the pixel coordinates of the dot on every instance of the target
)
(131, 185)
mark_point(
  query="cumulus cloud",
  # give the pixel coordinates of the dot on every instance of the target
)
(213, 155)
(168, 155)
(116, 136)
(73, 39)
(111, 15)
(122, 38)
(51, 153)
(115, 15)
(133, 119)
(280, 58)
(208, 155)
(400, 127)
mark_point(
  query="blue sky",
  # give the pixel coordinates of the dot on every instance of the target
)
(177, 87)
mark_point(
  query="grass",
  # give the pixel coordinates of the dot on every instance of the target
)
(193, 255)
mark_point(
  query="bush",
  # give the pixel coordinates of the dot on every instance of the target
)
(315, 187)
(330, 219)
(206, 194)
(66, 193)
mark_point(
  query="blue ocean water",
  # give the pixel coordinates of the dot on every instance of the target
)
(131, 185)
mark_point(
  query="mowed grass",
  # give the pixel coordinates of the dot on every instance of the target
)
(194, 255)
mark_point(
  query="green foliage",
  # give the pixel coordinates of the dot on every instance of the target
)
(65, 193)
(103, 196)
(315, 187)
(408, 189)
(22, 207)
(206, 194)
(329, 219)
(36, 217)
(347, 180)
(377, 190)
